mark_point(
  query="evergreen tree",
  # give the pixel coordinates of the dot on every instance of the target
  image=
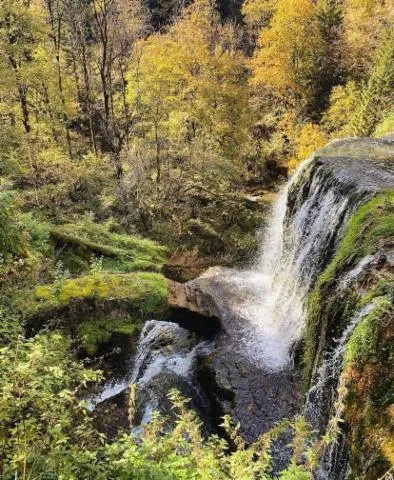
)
(377, 94)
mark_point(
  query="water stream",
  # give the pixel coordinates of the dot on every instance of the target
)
(163, 346)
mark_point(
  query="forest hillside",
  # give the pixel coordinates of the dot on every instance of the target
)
(142, 142)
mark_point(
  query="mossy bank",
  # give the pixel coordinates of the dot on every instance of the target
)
(360, 278)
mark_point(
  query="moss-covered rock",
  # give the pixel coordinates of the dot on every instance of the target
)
(139, 293)
(99, 333)
(370, 399)
(370, 230)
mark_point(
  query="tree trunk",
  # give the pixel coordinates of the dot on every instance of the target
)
(22, 95)
(56, 25)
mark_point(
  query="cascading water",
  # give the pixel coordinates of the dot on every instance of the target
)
(323, 397)
(323, 391)
(266, 331)
(294, 246)
(163, 346)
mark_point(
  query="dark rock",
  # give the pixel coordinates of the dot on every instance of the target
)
(111, 416)
(154, 397)
(255, 398)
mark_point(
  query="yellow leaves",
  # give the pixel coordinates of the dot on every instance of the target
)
(386, 126)
(302, 138)
(257, 12)
(310, 138)
(43, 292)
(189, 85)
(343, 103)
(364, 21)
(286, 47)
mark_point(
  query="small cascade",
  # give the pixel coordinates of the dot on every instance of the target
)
(323, 391)
(324, 398)
(163, 348)
(166, 358)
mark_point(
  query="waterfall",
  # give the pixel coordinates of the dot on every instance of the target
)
(323, 391)
(323, 397)
(295, 244)
(307, 222)
(267, 331)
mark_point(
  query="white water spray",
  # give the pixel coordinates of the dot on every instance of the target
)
(163, 346)
(269, 327)
(272, 308)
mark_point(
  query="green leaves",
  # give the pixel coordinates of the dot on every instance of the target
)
(11, 240)
(43, 425)
(46, 431)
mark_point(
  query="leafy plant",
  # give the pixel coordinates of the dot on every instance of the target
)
(11, 239)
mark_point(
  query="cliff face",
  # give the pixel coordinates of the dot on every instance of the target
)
(349, 347)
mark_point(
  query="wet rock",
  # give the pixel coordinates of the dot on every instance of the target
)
(111, 416)
(199, 295)
(198, 304)
(254, 397)
(153, 397)
(166, 358)
(213, 295)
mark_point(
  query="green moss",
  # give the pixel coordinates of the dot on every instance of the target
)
(369, 351)
(382, 288)
(371, 227)
(121, 253)
(363, 343)
(372, 224)
(94, 333)
(146, 292)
